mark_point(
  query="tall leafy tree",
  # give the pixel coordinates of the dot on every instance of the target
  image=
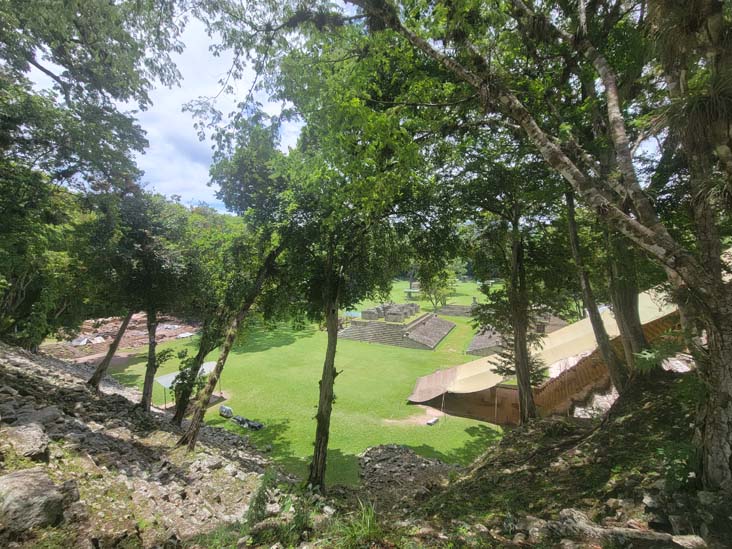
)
(214, 242)
(96, 56)
(140, 264)
(43, 284)
(513, 199)
(249, 186)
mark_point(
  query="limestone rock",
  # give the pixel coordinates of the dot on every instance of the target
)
(689, 542)
(44, 416)
(575, 525)
(28, 441)
(29, 499)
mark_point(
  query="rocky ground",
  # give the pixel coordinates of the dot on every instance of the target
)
(626, 480)
(104, 468)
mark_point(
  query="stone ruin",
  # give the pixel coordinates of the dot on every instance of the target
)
(391, 312)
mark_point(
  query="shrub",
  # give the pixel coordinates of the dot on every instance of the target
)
(361, 529)
(257, 511)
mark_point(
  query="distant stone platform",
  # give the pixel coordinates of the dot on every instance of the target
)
(391, 312)
(486, 342)
(425, 332)
(456, 310)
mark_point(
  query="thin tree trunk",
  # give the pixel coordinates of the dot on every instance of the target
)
(152, 366)
(190, 437)
(618, 374)
(624, 294)
(101, 369)
(519, 313)
(325, 403)
(184, 396)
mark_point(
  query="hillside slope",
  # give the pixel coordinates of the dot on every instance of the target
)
(634, 469)
(121, 479)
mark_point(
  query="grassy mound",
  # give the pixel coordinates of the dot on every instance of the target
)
(555, 463)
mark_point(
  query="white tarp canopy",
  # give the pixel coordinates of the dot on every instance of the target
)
(571, 341)
(168, 379)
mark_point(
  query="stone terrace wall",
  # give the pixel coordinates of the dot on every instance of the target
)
(377, 331)
(425, 332)
(456, 310)
(429, 331)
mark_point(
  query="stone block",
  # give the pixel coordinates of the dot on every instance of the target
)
(394, 316)
(369, 314)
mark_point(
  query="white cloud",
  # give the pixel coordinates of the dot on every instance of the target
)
(176, 162)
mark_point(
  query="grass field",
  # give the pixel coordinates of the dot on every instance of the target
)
(272, 376)
(463, 295)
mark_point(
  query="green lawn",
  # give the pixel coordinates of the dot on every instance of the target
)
(272, 376)
(463, 295)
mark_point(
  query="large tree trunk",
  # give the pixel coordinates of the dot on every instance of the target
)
(152, 363)
(624, 295)
(520, 318)
(184, 393)
(190, 437)
(618, 374)
(716, 439)
(316, 477)
(101, 370)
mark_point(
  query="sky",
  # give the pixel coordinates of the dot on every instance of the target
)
(177, 162)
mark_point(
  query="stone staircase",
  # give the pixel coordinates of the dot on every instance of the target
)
(380, 332)
(425, 332)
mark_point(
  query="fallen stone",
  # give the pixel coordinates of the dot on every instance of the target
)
(29, 499)
(7, 390)
(244, 542)
(44, 416)
(28, 441)
(689, 542)
(8, 413)
(271, 524)
(575, 525)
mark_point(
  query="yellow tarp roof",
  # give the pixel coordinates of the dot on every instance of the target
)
(566, 342)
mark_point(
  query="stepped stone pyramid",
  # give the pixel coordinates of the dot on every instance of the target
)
(425, 332)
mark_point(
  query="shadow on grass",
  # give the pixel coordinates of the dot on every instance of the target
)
(260, 338)
(482, 437)
(274, 441)
(343, 468)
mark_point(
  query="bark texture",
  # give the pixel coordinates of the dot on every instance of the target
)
(101, 370)
(624, 293)
(183, 396)
(520, 317)
(316, 476)
(618, 373)
(716, 437)
(152, 365)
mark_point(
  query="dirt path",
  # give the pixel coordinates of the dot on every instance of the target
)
(418, 419)
(119, 359)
